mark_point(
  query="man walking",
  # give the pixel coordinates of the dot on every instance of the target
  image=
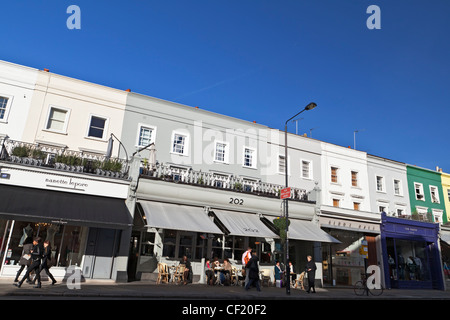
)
(246, 256)
(36, 256)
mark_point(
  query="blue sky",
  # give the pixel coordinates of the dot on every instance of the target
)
(263, 61)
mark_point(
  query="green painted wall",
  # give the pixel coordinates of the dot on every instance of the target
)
(427, 178)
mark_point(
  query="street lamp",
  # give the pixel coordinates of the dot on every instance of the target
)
(310, 106)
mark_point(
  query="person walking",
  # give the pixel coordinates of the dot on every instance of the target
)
(311, 272)
(246, 256)
(253, 273)
(36, 257)
(46, 259)
(25, 259)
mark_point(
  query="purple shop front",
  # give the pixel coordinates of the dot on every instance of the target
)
(411, 255)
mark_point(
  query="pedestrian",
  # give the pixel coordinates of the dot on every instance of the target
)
(46, 259)
(187, 275)
(25, 259)
(311, 272)
(246, 256)
(253, 273)
(36, 257)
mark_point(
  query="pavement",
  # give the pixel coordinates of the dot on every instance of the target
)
(109, 289)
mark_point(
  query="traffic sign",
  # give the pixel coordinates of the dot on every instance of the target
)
(285, 193)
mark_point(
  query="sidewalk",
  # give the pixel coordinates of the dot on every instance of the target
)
(108, 289)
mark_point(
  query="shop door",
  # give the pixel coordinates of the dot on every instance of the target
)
(100, 253)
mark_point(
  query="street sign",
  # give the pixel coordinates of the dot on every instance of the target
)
(285, 193)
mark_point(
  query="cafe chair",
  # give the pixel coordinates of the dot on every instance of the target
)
(179, 273)
(265, 277)
(300, 280)
(163, 274)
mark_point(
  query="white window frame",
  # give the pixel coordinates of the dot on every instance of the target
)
(448, 194)
(185, 145)
(66, 120)
(357, 178)
(338, 180)
(310, 169)
(420, 185)
(284, 161)
(138, 134)
(105, 129)
(253, 162)
(400, 187)
(383, 184)
(437, 215)
(226, 152)
(7, 108)
(438, 200)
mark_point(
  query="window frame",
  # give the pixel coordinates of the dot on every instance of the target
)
(66, 119)
(438, 200)
(105, 129)
(336, 169)
(138, 134)
(226, 152)
(383, 184)
(420, 189)
(185, 144)
(356, 185)
(7, 107)
(310, 169)
(400, 187)
(253, 164)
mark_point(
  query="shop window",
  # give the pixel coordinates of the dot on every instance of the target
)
(408, 260)
(67, 242)
(169, 243)
(148, 243)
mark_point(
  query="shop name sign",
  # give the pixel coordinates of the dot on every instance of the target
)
(66, 183)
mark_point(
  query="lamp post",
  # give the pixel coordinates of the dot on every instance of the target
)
(310, 106)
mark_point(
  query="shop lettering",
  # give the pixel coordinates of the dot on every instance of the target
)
(66, 183)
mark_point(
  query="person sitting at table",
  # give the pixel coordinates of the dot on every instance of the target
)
(187, 276)
(277, 271)
(227, 271)
(209, 272)
(291, 270)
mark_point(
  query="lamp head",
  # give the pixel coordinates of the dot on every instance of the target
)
(311, 106)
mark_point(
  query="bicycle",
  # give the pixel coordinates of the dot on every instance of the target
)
(360, 288)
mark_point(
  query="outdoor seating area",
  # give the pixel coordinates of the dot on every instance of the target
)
(234, 276)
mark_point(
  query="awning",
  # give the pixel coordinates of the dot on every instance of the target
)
(244, 224)
(445, 236)
(38, 205)
(177, 217)
(308, 231)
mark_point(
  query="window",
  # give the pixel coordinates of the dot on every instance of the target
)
(397, 187)
(97, 127)
(146, 135)
(334, 174)
(179, 144)
(3, 107)
(249, 158)
(356, 206)
(57, 119)
(448, 194)
(380, 184)
(306, 169)
(382, 209)
(400, 212)
(418, 187)
(336, 203)
(434, 194)
(221, 152)
(281, 164)
(354, 178)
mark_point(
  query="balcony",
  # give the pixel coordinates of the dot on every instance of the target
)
(174, 174)
(62, 159)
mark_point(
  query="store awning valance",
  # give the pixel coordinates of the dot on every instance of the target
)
(39, 205)
(445, 236)
(308, 231)
(177, 217)
(244, 224)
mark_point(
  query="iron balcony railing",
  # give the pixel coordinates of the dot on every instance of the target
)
(173, 173)
(60, 158)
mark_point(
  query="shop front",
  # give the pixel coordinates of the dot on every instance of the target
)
(84, 230)
(345, 263)
(411, 254)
